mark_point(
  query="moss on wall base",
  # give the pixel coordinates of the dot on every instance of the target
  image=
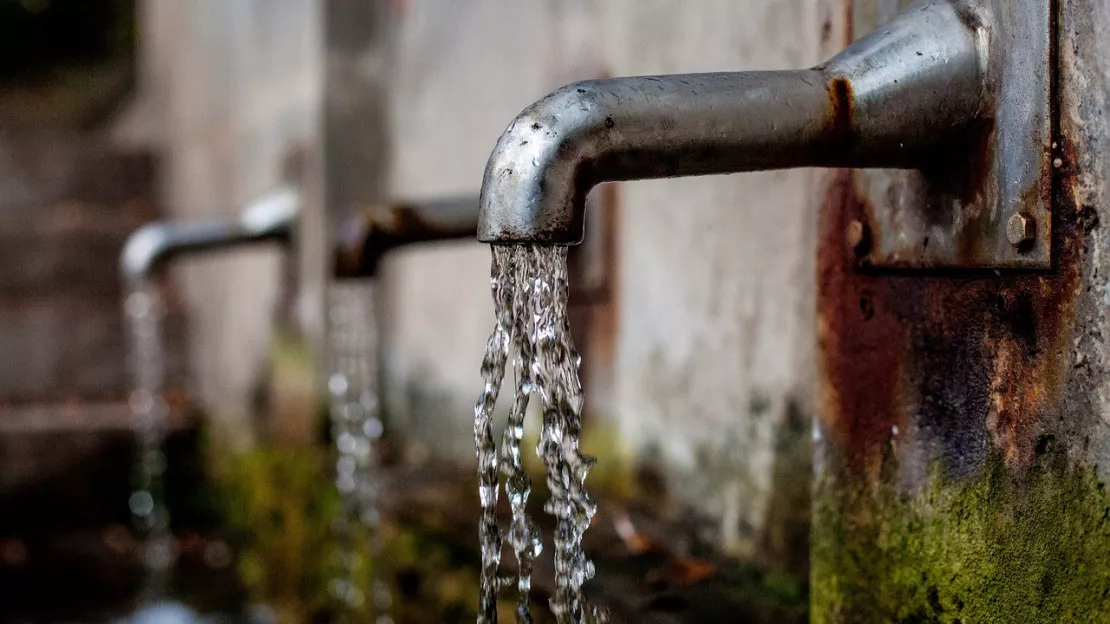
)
(998, 547)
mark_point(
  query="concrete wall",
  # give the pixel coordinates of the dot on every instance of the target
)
(229, 91)
(715, 291)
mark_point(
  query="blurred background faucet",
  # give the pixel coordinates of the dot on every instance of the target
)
(270, 218)
(364, 239)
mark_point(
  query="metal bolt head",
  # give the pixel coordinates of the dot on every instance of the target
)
(1021, 229)
(856, 236)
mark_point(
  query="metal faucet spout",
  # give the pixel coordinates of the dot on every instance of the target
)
(270, 218)
(365, 239)
(891, 100)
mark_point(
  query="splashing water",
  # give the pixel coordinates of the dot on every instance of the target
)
(356, 426)
(530, 291)
(144, 312)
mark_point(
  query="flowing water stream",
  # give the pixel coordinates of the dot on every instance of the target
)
(530, 293)
(145, 312)
(356, 427)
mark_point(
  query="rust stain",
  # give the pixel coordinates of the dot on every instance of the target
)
(860, 338)
(841, 120)
(347, 254)
(967, 357)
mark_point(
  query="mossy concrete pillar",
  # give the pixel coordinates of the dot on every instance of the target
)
(963, 444)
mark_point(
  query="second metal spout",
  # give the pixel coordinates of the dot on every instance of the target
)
(271, 217)
(365, 239)
(892, 100)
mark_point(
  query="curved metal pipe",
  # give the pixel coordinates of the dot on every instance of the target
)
(891, 100)
(270, 218)
(363, 241)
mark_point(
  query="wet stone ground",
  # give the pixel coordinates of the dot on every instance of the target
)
(649, 570)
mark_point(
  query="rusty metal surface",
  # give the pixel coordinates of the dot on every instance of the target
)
(955, 212)
(1083, 90)
(963, 361)
(957, 407)
(957, 364)
(363, 240)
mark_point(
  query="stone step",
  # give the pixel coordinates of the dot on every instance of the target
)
(76, 261)
(41, 172)
(71, 347)
(110, 417)
(70, 464)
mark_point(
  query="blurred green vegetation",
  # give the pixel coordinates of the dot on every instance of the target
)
(281, 512)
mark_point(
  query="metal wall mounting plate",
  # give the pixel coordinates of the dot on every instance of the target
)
(957, 213)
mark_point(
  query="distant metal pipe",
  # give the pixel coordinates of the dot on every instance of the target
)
(363, 240)
(270, 218)
(892, 100)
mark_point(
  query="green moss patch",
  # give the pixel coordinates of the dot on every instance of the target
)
(998, 547)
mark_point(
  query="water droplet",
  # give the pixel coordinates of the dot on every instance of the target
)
(373, 428)
(141, 503)
(337, 385)
(141, 401)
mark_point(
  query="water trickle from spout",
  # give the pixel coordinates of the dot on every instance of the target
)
(356, 428)
(530, 291)
(493, 371)
(144, 312)
(555, 368)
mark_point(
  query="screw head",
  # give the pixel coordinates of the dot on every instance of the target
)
(1021, 229)
(856, 236)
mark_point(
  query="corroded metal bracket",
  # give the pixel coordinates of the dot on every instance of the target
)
(989, 205)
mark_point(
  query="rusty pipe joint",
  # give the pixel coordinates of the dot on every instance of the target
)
(270, 218)
(365, 239)
(894, 99)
